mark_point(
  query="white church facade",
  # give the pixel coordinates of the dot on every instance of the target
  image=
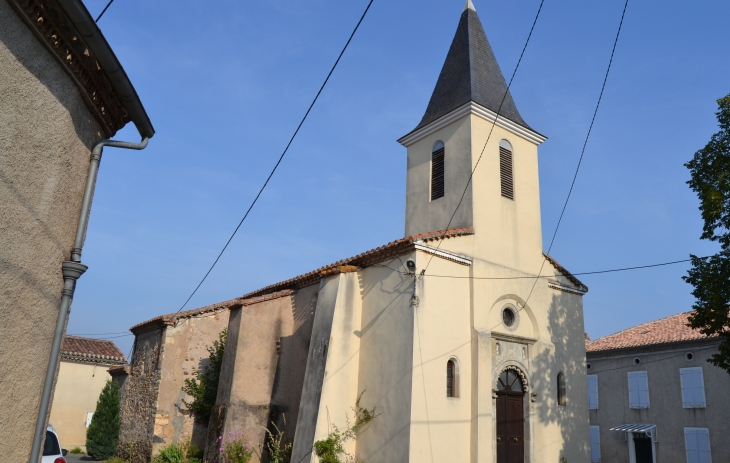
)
(466, 355)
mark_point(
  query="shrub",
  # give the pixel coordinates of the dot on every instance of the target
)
(184, 452)
(328, 450)
(233, 448)
(103, 432)
(279, 450)
(203, 387)
(76, 450)
(116, 460)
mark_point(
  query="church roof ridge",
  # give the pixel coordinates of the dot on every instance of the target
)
(471, 73)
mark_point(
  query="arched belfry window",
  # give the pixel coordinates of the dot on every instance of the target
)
(452, 378)
(437, 171)
(561, 389)
(506, 171)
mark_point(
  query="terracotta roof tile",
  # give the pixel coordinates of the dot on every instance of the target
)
(91, 350)
(665, 330)
(374, 256)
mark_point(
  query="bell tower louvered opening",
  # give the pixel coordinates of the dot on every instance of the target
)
(506, 172)
(437, 171)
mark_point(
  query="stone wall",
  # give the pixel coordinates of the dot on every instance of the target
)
(139, 397)
(186, 350)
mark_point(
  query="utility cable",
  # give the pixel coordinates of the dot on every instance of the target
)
(585, 143)
(104, 10)
(504, 97)
(652, 361)
(596, 272)
(280, 157)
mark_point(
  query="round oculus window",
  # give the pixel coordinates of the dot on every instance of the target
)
(689, 356)
(508, 317)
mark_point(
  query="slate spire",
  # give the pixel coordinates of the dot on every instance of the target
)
(470, 73)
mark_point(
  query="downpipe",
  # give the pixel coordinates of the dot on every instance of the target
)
(72, 271)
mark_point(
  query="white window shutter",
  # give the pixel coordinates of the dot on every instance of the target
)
(638, 389)
(595, 444)
(697, 444)
(593, 392)
(643, 390)
(693, 387)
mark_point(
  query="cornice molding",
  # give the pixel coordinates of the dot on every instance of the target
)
(565, 288)
(477, 110)
(56, 32)
(459, 259)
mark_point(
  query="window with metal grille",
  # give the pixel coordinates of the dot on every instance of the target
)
(452, 379)
(437, 171)
(561, 389)
(506, 174)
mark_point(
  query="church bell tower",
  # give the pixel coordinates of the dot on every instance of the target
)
(472, 124)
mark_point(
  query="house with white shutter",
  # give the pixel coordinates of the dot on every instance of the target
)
(654, 398)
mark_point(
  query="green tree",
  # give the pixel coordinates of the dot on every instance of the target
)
(710, 276)
(103, 432)
(203, 387)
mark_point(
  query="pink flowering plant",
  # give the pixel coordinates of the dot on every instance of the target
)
(233, 448)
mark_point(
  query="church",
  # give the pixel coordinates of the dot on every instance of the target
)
(464, 336)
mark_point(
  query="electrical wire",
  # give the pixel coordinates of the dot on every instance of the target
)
(98, 334)
(104, 10)
(280, 157)
(504, 97)
(650, 361)
(585, 143)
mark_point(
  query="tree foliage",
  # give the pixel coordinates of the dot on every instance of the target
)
(103, 432)
(710, 276)
(203, 386)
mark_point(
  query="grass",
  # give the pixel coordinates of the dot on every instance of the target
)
(76, 451)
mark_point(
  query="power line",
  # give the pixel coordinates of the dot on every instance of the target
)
(471, 176)
(574, 274)
(585, 143)
(104, 10)
(98, 334)
(623, 269)
(651, 361)
(280, 157)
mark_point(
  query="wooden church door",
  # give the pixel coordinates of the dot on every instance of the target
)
(510, 419)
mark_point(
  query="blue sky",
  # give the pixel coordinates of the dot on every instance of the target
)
(225, 85)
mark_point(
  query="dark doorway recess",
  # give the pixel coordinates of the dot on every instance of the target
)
(510, 418)
(642, 448)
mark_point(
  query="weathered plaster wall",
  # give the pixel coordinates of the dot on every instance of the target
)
(263, 371)
(46, 133)
(77, 390)
(665, 400)
(139, 397)
(186, 349)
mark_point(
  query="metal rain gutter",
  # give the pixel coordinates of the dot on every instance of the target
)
(90, 32)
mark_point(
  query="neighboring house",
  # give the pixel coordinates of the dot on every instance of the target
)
(62, 90)
(654, 398)
(81, 377)
(167, 351)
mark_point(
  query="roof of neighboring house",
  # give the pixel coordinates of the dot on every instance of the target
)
(663, 331)
(471, 73)
(71, 35)
(91, 350)
(288, 287)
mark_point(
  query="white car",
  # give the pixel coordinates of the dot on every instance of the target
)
(52, 451)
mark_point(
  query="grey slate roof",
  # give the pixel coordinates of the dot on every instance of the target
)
(471, 73)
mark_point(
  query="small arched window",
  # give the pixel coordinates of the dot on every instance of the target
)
(437, 171)
(561, 389)
(506, 174)
(452, 378)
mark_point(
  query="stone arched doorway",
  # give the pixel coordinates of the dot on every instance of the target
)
(510, 417)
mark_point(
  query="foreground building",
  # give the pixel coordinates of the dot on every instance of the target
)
(81, 377)
(465, 355)
(62, 91)
(654, 398)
